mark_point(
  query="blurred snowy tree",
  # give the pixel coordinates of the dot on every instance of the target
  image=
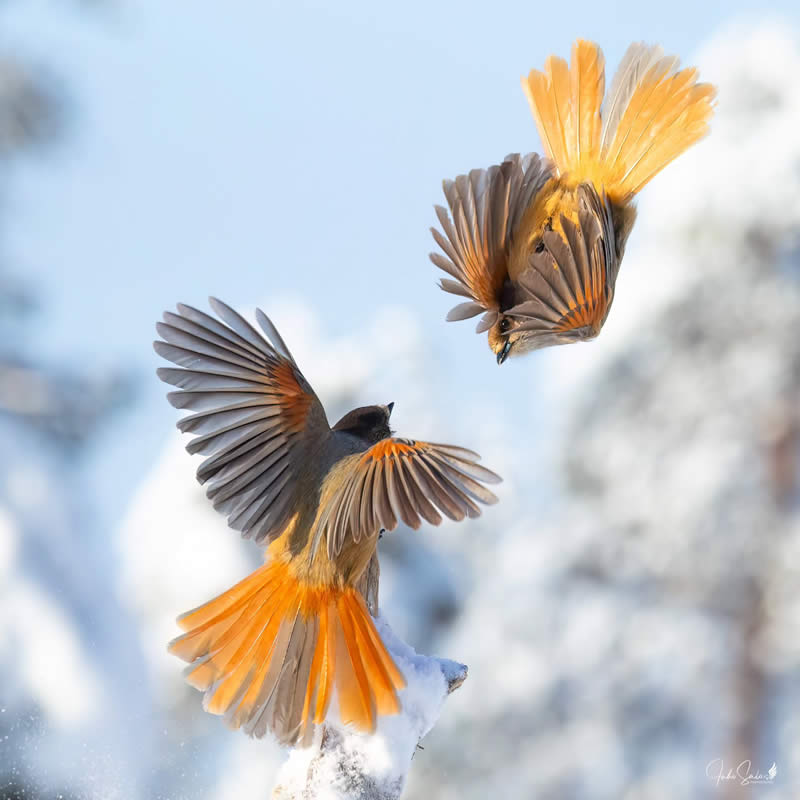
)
(30, 108)
(52, 639)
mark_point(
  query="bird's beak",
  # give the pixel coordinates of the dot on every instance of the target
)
(503, 354)
(390, 406)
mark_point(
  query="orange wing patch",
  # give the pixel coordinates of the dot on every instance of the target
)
(590, 311)
(386, 449)
(586, 315)
(293, 399)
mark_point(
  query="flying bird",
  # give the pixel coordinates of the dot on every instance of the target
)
(271, 652)
(535, 244)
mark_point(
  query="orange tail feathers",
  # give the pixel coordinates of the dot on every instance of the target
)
(271, 651)
(565, 101)
(652, 114)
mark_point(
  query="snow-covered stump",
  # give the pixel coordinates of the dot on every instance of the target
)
(343, 764)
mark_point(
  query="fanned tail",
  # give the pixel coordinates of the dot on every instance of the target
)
(565, 101)
(271, 652)
(653, 113)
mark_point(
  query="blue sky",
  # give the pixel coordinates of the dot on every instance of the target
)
(263, 150)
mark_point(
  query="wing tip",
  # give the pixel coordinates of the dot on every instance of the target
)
(494, 480)
(161, 348)
(464, 311)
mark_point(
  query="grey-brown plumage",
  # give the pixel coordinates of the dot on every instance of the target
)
(368, 423)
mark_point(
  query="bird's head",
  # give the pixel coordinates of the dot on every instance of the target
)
(508, 338)
(502, 338)
(370, 423)
(514, 337)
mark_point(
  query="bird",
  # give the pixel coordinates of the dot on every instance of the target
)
(534, 244)
(271, 652)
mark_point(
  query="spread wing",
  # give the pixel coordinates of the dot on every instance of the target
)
(254, 415)
(400, 479)
(487, 207)
(567, 289)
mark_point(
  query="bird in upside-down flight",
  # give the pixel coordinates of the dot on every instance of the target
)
(535, 244)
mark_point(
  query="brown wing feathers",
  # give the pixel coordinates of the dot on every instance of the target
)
(403, 480)
(486, 207)
(570, 282)
(471, 257)
(251, 406)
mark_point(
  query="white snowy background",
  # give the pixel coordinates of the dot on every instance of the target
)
(629, 611)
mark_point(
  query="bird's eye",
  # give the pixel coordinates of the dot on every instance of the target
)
(505, 324)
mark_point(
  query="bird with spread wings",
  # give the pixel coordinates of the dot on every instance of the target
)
(271, 652)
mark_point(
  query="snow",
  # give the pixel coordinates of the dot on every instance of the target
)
(60, 658)
(352, 764)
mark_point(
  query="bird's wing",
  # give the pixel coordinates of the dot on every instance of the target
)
(486, 207)
(403, 480)
(569, 283)
(255, 417)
